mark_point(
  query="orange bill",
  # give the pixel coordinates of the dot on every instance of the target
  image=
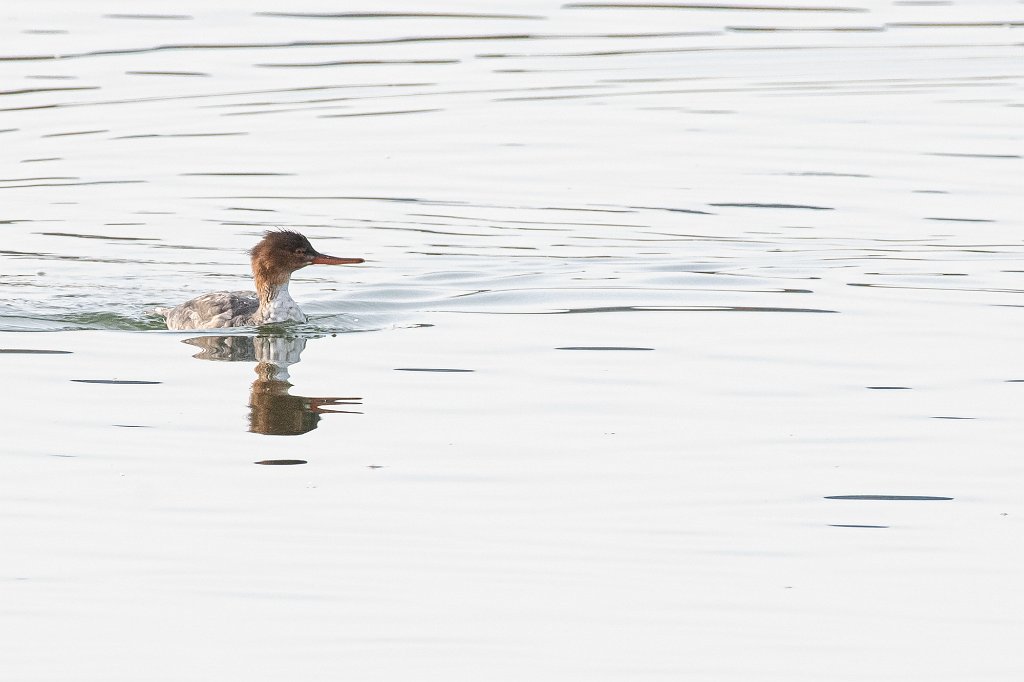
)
(321, 259)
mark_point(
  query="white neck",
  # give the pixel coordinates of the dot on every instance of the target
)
(278, 307)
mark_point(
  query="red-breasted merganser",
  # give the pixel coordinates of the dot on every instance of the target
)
(274, 259)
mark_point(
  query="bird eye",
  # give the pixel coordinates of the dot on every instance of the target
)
(300, 251)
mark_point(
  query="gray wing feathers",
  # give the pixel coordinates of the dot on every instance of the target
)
(213, 311)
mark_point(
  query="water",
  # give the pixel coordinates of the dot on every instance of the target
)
(687, 345)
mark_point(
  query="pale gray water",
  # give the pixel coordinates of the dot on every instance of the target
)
(689, 341)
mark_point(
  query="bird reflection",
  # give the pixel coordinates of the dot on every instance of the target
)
(272, 410)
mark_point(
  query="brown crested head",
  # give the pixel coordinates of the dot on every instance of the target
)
(282, 252)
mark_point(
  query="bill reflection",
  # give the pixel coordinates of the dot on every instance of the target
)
(273, 411)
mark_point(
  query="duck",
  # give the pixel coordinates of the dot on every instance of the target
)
(278, 254)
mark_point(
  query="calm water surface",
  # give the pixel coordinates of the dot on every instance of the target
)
(688, 344)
